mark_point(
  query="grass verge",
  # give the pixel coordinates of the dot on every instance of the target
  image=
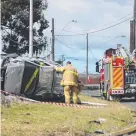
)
(50, 120)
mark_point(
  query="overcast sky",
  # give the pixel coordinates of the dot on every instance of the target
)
(91, 15)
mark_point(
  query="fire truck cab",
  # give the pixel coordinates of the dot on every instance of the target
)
(117, 75)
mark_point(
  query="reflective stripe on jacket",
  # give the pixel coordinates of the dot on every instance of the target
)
(70, 75)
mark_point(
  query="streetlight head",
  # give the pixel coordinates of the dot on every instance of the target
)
(123, 36)
(74, 21)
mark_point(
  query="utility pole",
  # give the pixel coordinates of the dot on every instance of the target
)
(134, 19)
(53, 40)
(0, 34)
(63, 59)
(87, 59)
(31, 30)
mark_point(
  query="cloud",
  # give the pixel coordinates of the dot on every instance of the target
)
(91, 15)
(71, 6)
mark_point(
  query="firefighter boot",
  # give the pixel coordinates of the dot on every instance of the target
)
(75, 94)
(67, 94)
(78, 101)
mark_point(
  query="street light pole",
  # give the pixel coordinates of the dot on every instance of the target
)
(87, 59)
(0, 33)
(134, 26)
(68, 24)
(53, 36)
(53, 41)
(73, 21)
(31, 30)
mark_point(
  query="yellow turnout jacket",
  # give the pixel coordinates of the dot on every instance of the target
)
(70, 75)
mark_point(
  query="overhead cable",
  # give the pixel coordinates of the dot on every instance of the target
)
(109, 40)
(18, 42)
(114, 21)
(11, 39)
(99, 30)
(92, 53)
(65, 44)
(89, 29)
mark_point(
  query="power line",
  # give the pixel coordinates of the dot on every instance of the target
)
(92, 53)
(73, 58)
(18, 42)
(109, 40)
(89, 29)
(114, 21)
(11, 39)
(55, 38)
(110, 26)
(120, 18)
(99, 30)
(101, 45)
(89, 47)
(67, 31)
(65, 44)
(91, 35)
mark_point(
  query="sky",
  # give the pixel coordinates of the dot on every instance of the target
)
(89, 16)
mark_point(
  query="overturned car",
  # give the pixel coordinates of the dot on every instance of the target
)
(32, 78)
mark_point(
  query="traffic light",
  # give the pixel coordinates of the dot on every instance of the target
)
(97, 66)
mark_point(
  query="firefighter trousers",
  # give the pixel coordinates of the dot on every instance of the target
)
(74, 91)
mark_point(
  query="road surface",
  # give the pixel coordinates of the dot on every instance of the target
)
(96, 93)
(129, 102)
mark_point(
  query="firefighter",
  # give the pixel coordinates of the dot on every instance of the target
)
(70, 82)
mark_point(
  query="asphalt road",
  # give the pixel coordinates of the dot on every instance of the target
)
(125, 101)
(129, 102)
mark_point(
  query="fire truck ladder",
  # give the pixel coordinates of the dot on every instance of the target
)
(123, 52)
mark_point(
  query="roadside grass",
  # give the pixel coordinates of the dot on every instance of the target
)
(51, 120)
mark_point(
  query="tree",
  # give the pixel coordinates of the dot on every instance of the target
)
(15, 24)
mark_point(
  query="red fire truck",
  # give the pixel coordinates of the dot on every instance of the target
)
(117, 74)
